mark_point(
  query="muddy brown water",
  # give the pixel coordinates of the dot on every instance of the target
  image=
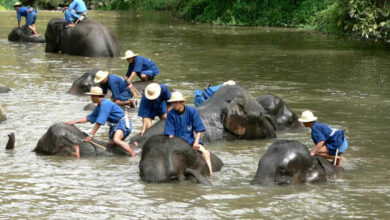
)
(345, 82)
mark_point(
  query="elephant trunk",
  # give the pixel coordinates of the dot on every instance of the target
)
(11, 141)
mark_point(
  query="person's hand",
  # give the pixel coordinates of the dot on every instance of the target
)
(130, 85)
(88, 139)
(142, 133)
(312, 153)
(64, 9)
(195, 146)
(69, 123)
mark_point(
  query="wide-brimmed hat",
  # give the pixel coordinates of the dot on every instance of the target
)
(307, 116)
(152, 91)
(17, 4)
(229, 82)
(129, 54)
(176, 97)
(96, 91)
(100, 76)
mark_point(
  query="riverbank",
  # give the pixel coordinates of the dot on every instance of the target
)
(369, 19)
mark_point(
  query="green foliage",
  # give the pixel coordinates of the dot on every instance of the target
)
(8, 4)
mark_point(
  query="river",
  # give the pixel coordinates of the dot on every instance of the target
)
(345, 82)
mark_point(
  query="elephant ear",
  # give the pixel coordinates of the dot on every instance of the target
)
(234, 117)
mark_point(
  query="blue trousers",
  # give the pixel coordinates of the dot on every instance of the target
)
(31, 18)
(71, 16)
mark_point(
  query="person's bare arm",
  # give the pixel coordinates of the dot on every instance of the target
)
(317, 147)
(79, 121)
(93, 132)
(195, 146)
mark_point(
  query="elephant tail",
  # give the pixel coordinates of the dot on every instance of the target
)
(199, 178)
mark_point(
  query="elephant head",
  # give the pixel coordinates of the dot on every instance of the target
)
(289, 162)
(83, 84)
(53, 35)
(245, 118)
(278, 111)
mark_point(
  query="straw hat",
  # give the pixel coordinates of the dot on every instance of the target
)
(96, 91)
(100, 76)
(152, 91)
(176, 97)
(129, 54)
(229, 82)
(17, 4)
(307, 116)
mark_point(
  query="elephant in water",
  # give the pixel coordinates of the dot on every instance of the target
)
(87, 38)
(277, 109)
(60, 139)
(164, 159)
(84, 83)
(24, 34)
(230, 114)
(289, 162)
(4, 89)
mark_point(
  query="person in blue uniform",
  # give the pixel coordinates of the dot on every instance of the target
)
(74, 11)
(183, 121)
(201, 96)
(153, 103)
(121, 94)
(326, 139)
(143, 67)
(106, 111)
(30, 14)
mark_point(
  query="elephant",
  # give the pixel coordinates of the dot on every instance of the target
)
(88, 38)
(165, 159)
(288, 162)
(60, 139)
(2, 114)
(277, 109)
(24, 34)
(4, 89)
(84, 83)
(230, 114)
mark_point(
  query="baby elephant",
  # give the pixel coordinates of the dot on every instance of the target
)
(164, 159)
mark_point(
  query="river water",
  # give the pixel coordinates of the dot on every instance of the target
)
(345, 83)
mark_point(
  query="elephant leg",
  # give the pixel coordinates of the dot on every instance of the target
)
(199, 178)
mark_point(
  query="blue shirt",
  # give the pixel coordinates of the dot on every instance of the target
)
(22, 11)
(142, 64)
(106, 111)
(116, 84)
(183, 125)
(333, 138)
(152, 108)
(78, 5)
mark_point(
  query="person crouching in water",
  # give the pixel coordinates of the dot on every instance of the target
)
(182, 121)
(106, 111)
(326, 139)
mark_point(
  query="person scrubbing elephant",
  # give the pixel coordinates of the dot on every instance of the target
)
(29, 13)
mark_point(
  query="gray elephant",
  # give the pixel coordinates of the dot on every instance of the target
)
(230, 114)
(88, 38)
(24, 34)
(60, 139)
(84, 83)
(165, 159)
(282, 117)
(289, 162)
(4, 89)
